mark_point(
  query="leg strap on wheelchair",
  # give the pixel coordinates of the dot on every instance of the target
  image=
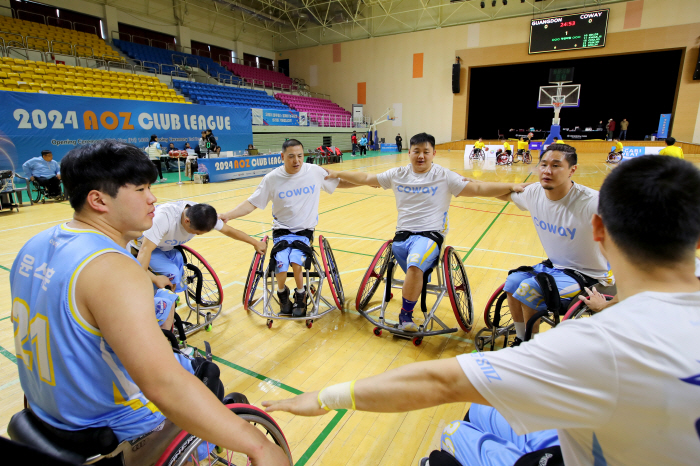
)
(550, 292)
(208, 372)
(180, 327)
(389, 278)
(424, 291)
(296, 244)
(171, 338)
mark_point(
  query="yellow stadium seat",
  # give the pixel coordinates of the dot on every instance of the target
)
(39, 71)
(23, 84)
(3, 75)
(13, 75)
(10, 83)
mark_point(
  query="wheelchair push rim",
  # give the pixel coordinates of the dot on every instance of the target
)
(494, 302)
(255, 273)
(330, 267)
(579, 308)
(183, 449)
(374, 276)
(212, 293)
(458, 288)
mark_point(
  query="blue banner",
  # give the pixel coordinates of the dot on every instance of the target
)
(388, 147)
(280, 118)
(664, 121)
(31, 123)
(535, 145)
(230, 168)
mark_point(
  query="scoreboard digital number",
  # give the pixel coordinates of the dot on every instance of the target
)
(570, 32)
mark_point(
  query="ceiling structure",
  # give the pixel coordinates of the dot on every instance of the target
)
(291, 24)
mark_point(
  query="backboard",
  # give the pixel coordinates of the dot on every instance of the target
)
(570, 93)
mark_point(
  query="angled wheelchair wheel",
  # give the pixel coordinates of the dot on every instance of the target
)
(206, 291)
(502, 159)
(330, 267)
(252, 280)
(527, 157)
(458, 289)
(497, 301)
(374, 276)
(187, 449)
(579, 310)
(38, 192)
(614, 157)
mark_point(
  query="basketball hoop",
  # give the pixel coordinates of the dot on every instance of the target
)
(557, 105)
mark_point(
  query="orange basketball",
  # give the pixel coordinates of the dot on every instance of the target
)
(530, 135)
(486, 149)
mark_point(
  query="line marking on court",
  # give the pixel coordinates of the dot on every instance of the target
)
(4, 268)
(489, 227)
(466, 248)
(55, 222)
(321, 438)
(340, 207)
(487, 211)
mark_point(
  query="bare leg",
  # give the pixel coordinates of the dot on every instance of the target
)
(281, 279)
(413, 284)
(168, 324)
(515, 306)
(298, 275)
(528, 312)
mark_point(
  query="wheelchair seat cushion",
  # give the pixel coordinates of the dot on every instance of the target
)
(72, 446)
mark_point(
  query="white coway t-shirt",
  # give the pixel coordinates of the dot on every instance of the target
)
(167, 231)
(621, 387)
(422, 199)
(565, 230)
(294, 197)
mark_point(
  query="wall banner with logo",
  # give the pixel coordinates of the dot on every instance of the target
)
(31, 123)
(280, 118)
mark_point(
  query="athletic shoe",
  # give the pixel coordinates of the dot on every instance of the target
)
(189, 351)
(285, 304)
(516, 342)
(424, 462)
(408, 326)
(299, 307)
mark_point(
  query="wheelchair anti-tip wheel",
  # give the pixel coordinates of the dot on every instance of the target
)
(330, 267)
(374, 276)
(255, 273)
(458, 288)
(187, 449)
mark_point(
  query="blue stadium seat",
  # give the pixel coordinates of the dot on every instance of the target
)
(212, 94)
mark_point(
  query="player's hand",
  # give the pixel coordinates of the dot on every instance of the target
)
(332, 174)
(224, 218)
(58, 176)
(305, 404)
(161, 281)
(260, 247)
(518, 188)
(31, 178)
(272, 454)
(595, 301)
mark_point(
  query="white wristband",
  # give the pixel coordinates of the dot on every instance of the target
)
(340, 396)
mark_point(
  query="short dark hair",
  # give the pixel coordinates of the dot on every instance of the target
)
(669, 141)
(104, 166)
(568, 151)
(649, 205)
(46, 152)
(153, 137)
(291, 143)
(202, 217)
(420, 138)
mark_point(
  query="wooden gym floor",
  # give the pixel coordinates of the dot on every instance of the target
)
(491, 236)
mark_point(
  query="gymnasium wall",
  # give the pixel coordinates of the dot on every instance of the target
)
(386, 65)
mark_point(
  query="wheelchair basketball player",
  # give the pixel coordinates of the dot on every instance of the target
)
(88, 307)
(294, 190)
(423, 191)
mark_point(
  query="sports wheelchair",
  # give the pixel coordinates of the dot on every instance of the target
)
(614, 157)
(525, 153)
(503, 157)
(167, 444)
(41, 193)
(478, 154)
(498, 320)
(204, 295)
(254, 295)
(452, 280)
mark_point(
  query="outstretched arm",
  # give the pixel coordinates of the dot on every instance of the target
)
(260, 246)
(414, 386)
(241, 210)
(489, 189)
(361, 179)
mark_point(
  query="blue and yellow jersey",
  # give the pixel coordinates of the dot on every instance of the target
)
(71, 376)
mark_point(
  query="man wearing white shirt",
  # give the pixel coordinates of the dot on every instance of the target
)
(620, 388)
(295, 191)
(423, 191)
(561, 211)
(176, 223)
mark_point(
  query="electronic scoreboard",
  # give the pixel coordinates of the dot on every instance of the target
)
(569, 32)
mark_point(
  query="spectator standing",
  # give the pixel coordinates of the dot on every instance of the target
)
(154, 152)
(45, 171)
(399, 140)
(202, 150)
(363, 145)
(624, 124)
(600, 126)
(353, 139)
(213, 146)
(611, 129)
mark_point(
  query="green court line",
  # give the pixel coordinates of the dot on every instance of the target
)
(8, 355)
(464, 259)
(340, 207)
(4, 318)
(4, 268)
(321, 438)
(251, 373)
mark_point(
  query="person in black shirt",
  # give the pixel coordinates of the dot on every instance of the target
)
(399, 140)
(213, 146)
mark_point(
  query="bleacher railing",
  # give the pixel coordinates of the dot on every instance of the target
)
(55, 21)
(39, 39)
